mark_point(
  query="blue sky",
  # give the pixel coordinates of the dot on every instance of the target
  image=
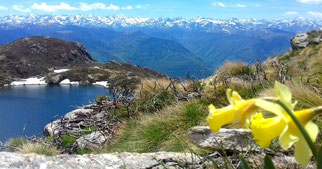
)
(220, 9)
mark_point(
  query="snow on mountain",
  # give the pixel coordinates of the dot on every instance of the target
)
(123, 22)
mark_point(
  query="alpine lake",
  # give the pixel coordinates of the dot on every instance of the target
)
(34, 106)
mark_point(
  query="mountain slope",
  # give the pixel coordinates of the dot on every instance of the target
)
(245, 46)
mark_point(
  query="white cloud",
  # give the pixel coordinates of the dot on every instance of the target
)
(20, 8)
(241, 5)
(291, 13)
(127, 7)
(101, 6)
(310, 1)
(52, 8)
(221, 4)
(218, 4)
(315, 14)
(3, 8)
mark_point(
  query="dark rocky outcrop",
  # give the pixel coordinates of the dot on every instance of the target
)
(302, 40)
(35, 56)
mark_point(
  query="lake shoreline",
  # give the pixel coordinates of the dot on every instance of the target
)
(42, 81)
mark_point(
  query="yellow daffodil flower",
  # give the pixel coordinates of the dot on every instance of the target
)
(282, 126)
(238, 110)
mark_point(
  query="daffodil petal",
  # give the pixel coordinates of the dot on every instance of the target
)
(212, 109)
(287, 138)
(302, 152)
(236, 98)
(229, 97)
(271, 107)
(221, 117)
(265, 130)
(312, 130)
(283, 93)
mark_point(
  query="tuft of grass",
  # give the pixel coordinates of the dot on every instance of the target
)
(165, 131)
(154, 134)
(15, 143)
(194, 114)
(234, 69)
(38, 148)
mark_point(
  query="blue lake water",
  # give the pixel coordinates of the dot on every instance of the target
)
(38, 105)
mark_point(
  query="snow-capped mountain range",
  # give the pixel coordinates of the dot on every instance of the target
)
(123, 22)
(173, 46)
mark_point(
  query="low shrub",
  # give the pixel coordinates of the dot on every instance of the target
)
(101, 99)
(68, 141)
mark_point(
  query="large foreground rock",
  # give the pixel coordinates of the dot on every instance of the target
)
(107, 161)
(132, 161)
(230, 140)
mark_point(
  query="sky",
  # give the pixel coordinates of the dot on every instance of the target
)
(219, 9)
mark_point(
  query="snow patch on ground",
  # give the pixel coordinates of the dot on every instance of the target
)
(68, 82)
(30, 81)
(41, 81)
(101, 83)
(61, 70)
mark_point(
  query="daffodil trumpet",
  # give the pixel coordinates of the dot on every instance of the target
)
(305, 134)
(238, 111)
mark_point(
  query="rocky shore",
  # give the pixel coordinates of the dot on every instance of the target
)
(90, 127)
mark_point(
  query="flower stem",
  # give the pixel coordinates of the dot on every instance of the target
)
(301, 128)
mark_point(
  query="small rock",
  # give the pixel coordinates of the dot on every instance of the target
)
(230, 140)
(55, 127)
(54, 79)
(91, 141)
(193, 95)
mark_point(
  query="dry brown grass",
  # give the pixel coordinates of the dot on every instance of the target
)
(151, 86)
(233, 68)
(38, 148)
